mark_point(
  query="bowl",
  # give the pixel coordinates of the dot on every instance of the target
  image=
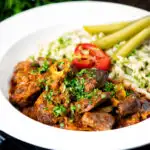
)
(22, 36)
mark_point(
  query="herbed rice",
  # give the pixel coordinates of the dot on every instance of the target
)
(133, 70)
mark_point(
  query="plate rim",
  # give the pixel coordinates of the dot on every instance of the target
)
(63, 132)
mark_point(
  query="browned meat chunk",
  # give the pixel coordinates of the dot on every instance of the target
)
(25, 94)
(135, 118)
(90, 84)
(44, 111)
(93, 78)
(101, 78)
(24, 84)
(85, 105)
(145, 109)
(98, 121)
(30, 112)
(22, 72)
(129, 105)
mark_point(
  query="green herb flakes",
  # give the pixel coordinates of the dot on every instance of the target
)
(103, 95)
(129, 92)
(32, 58)
(73, 108)
(48, 96)
(108, 87)
(45, 108)
(33, 72)
(61, 125)
(59, 110)
(75, 87)
(44, 67)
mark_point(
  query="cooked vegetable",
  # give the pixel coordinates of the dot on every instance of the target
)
(83, 55)
(124, 34)
(133, 43)
(105, 28)
(88, 56)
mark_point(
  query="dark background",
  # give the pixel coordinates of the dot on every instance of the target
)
(12, 7)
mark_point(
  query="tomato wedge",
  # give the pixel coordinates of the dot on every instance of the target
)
(88, 55)
(103, 63)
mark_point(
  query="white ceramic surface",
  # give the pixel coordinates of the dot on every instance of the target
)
(21, 36)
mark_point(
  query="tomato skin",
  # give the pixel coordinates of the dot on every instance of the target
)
(83, 63)
(90, 56)
(103, 63)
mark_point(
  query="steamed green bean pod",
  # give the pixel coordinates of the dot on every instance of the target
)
(123, 34)
(105, 28)
(133, 43)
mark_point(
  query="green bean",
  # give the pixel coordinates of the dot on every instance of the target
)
(123, 34)
(106, 28)
(132, 43)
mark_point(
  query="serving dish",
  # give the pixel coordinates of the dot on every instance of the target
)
(21, 36)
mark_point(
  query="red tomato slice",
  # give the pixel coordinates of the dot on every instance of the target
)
(88, 56)
(103, 63)
(83, 63)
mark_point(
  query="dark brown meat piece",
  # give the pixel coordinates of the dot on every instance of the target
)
(98, 121)
(101, 78)
(133, 119)
(85, 105)
(129, 105)
(90, 84)
(24, 88)
(94, 79)
(44, 111)
(145, 108)
(25, 94)
(30, 112)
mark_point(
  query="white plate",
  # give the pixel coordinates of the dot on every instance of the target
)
(17, 43)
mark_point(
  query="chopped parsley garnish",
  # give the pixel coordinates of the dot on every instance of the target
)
(129, 92)
(59, 110)
(44, 67)
(90, 102)
(103, 95)
(78, 106)
(33, 72)
(42, 80)
(91, 94)
(89, 73)
(48, 53)
(32, 58)
(46, 87)
(48, 96)
(63, 41)
(45, 108)
(60, 63)
(109, 87)
(83, 71)
(73, 108)
(41, 83)
(61, 125)
(75, 87)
